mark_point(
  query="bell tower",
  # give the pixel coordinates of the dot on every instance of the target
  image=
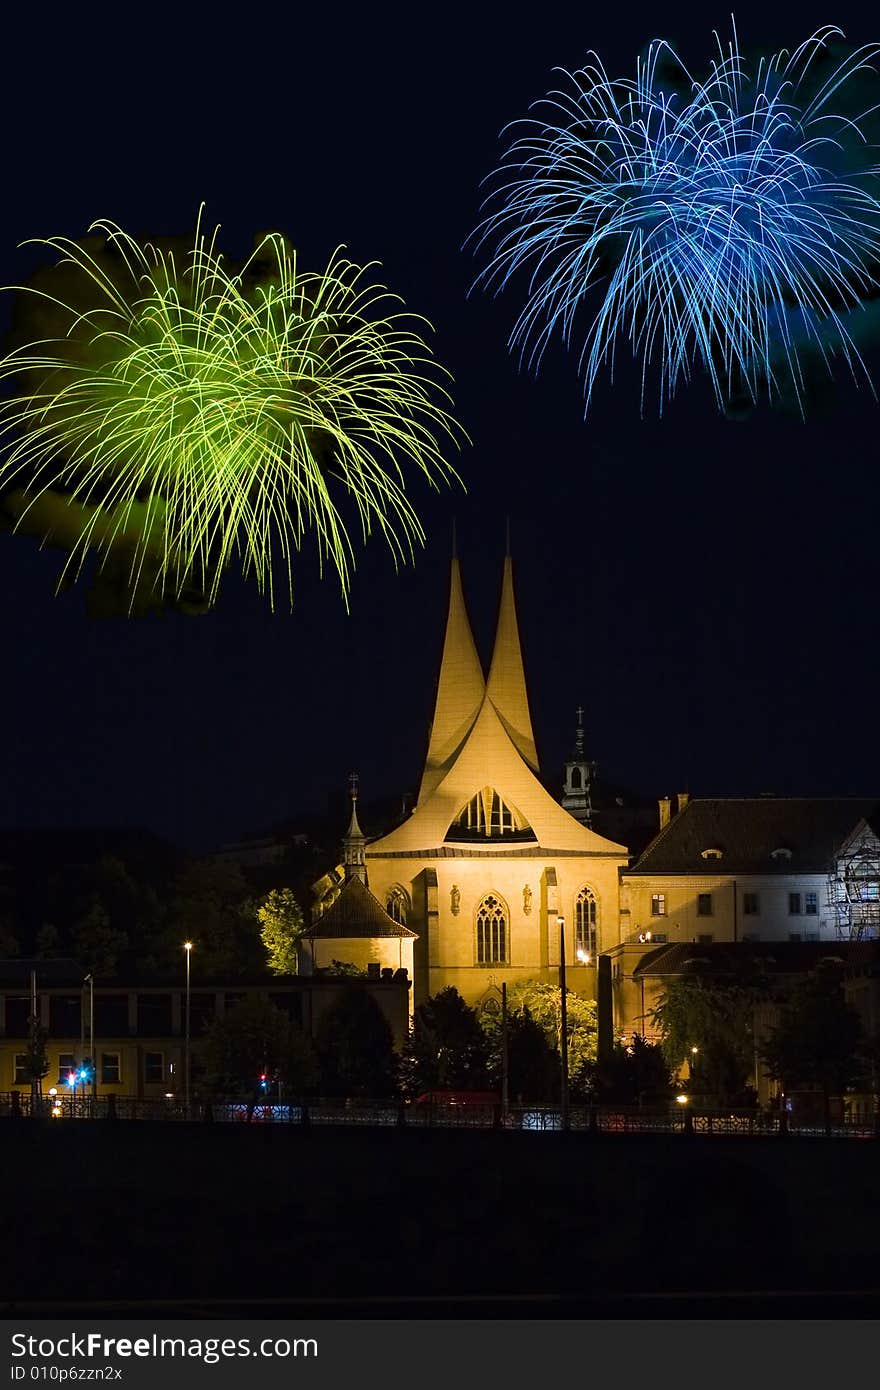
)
(580, 776)
(354, 840)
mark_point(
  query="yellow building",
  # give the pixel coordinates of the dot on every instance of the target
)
(487, 861)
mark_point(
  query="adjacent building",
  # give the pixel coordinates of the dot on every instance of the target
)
(742, 872)
(140, 1029)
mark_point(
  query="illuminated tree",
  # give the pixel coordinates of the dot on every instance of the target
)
(180, 417)
(543, 1002)
(533, 1070)
(715, 1017)
(281, 926)
(730, 222)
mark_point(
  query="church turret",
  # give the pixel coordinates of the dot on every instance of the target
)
(580, 775)
(460, 690)
(506, 687)
(354, 841)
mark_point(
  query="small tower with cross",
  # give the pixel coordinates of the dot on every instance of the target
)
(354, 840)
(580, 777)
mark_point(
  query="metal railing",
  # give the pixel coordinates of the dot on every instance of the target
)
(387, 1113)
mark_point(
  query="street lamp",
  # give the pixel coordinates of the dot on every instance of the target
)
(563, 1019)
(187, 946)
(90, 981)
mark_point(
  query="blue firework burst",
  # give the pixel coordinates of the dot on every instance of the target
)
(731, 223)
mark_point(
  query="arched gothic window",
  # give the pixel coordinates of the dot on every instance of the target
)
(487, 816)
(586, 923)
(576, 778)
(492, 933)
(397, 904)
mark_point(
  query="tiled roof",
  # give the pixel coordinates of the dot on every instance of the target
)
(747, 830)
(743, 957)
(356, 913)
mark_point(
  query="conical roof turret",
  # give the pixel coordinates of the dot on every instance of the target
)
(354, 840)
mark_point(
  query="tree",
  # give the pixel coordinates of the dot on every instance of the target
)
(281, 926)
(252, 1039)
(9, 943)
(544, 1004)
(636, 1073)
(97, 943)
(37, 1056)
(817, 1042)
(447, 1048)
(533, 1071)
(48, 941)
(355, 1046)
(211, 907)
(715, 1017)
(345, 968)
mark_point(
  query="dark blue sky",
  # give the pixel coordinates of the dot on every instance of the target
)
(706, 589)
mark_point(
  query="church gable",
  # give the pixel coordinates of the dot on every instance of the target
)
(489, 759)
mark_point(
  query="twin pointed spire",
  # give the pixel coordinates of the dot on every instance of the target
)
(462, 689)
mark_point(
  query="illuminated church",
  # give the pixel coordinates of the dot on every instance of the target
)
(487, 861)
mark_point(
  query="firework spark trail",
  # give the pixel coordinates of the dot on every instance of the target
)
(193, 416)
(724, 223)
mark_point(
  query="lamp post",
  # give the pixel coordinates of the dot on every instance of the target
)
(90, 981)
(187, 946)
(563, 1020)
(505, 1063)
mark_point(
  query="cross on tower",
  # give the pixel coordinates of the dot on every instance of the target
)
(353, 785)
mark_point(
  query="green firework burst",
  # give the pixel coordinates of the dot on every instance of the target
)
(191, 417)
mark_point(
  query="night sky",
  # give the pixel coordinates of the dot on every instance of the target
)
(707, 589)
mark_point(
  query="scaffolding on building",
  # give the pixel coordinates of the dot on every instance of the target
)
(854, 891)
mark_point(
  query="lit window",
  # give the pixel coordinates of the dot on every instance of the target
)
(811, 904)
(586, 936)
(794, 904)
(110, 1071)
(658, 904)
(491, 932)
(22, 1069)
(704, 904)
(751, 904)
